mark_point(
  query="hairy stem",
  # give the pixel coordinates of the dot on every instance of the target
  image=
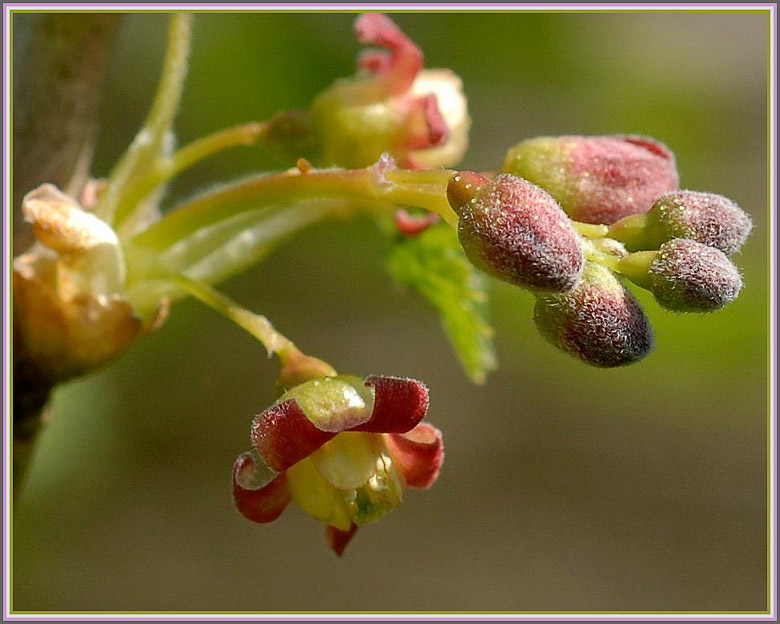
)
(149, 143)
(294, 362)
(368, 185)
(297, 367)
(167, 168)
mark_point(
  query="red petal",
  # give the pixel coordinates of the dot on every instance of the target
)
(438, 130)
(406, 62)
(374, 61)
(426, 125)
(412, 225)
(260, 503)
(652, 146)
(284, 435)
(420, 453)
(338, 539)
(399, 404)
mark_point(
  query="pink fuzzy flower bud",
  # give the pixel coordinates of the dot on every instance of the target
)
(597, 179)
(687, 276)
(707, 218)
(599, 321)
(515, 231)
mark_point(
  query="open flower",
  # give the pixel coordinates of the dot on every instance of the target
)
(343, 448)
(392, 105)
(70, 314)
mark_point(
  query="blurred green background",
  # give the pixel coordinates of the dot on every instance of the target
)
(564, 488)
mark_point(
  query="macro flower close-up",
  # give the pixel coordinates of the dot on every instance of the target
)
(343, 449)
(553, 226)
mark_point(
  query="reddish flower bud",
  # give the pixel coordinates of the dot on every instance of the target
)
(687, 276)
(599, 322)
(597, 179)
(707, 218)
(515, 231)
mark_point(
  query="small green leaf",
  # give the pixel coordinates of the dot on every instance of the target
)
(434, 264)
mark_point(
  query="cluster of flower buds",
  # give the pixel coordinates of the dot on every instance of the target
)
(343, 448)
(565, 219)
(633, 222)
(393, 105)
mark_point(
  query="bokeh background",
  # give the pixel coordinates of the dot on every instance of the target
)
(565, 487)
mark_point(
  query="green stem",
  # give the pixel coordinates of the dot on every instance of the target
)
(589, 230)
(635, 231)
(256, 324)
(216, 253)
(420, 176)
(365, 185)
(167, 168)
(636, 267)
(604, 259)
(149, 142)
(297, 367)
(166, 101)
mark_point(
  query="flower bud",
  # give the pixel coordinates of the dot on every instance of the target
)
(597, 179)
(599, 321)
(706, 218)
(687, 276)
(393, 105)
(515, 231)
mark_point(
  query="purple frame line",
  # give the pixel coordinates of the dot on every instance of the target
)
(411, 616)
(773, 298)
(415, 617)
(8, 7)
(406, 5)
(6, 322)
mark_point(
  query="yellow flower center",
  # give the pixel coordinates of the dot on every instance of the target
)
(350, 479)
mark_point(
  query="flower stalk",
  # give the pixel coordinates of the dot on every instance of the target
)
(296, 365)
(150, 141)
(377, 185)
(167, 168)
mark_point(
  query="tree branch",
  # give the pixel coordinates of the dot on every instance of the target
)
(60, 61)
